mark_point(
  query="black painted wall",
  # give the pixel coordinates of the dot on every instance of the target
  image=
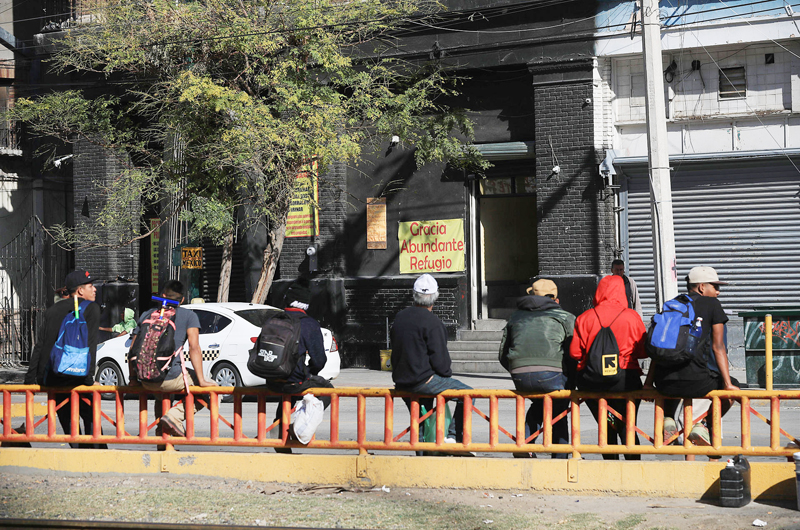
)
(528, 82)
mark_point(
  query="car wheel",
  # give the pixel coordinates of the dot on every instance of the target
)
(108, 373)
(226, 375)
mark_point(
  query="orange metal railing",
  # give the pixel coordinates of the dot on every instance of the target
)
(248, 424)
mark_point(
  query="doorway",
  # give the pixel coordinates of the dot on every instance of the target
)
(508, 243)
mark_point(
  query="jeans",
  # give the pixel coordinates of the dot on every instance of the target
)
(544, 382)
(631, 381)
(437, 385)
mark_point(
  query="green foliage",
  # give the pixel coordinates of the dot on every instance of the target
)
(221, 102)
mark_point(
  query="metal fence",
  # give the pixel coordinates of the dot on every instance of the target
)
(249, 426)
(30, 271)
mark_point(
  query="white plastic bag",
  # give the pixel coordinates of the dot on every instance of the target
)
(306, 418)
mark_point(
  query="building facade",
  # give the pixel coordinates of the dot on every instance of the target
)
(732, 95)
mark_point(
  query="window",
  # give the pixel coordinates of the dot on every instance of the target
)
(732, 83)
(211, 322)
(256, 317)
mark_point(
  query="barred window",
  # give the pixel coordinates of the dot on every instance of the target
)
(732, 83)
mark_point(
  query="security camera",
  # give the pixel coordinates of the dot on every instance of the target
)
(395, 140)
(556, 170)
(588, 101)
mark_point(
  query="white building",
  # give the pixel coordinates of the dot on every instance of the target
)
(732, 96)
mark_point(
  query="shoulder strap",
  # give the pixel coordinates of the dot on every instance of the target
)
(612, 322)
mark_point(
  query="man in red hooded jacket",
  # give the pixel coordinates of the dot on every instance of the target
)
(611, 310)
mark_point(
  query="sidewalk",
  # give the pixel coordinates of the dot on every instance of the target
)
(359, 377)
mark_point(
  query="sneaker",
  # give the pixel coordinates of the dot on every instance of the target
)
(451, 440)
(700, 435)
(171, 428)
(670, 431)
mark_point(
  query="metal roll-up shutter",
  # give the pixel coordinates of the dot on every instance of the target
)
(744, 221)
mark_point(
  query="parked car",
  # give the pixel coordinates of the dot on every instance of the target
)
(227, 334)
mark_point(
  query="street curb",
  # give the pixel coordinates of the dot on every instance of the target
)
(770, 480)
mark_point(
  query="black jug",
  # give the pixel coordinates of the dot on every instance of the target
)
(734, 483)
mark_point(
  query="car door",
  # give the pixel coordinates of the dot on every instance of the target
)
(214, 329)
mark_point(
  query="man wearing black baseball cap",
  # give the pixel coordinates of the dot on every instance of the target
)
(79, 284)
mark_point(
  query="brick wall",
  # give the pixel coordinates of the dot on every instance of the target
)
(575, 216)
(370, 301)
(93, 169)
(332, 217)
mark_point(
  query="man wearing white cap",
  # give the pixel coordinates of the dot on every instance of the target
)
(420, 360)
(708, 370)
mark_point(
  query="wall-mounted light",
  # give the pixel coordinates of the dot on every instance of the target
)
(395, 140)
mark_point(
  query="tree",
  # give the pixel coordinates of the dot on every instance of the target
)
(219, 103)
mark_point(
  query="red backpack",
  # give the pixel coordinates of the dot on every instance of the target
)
(154, 348)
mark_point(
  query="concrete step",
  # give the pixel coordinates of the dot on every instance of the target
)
(490, 324)
(477, 367)
(473, 345)
(473, 356)
(469, 335)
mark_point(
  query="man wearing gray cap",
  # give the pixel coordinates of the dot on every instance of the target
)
(708, 370)
(420, 360)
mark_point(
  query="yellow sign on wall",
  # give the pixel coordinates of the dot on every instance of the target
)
(431, 246)
(303, 218)
(192, 257)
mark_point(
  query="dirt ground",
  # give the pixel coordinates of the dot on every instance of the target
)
(165, 498)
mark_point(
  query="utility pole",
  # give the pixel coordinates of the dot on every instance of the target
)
(666, 270)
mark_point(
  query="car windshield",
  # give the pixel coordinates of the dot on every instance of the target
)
(256, 316)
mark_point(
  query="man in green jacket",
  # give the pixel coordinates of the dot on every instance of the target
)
(535, 340)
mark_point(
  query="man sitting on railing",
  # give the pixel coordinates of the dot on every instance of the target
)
(420, 360)
(305, 376)
(187, 325)
(709, 369)
(622, 374)
(535, 341)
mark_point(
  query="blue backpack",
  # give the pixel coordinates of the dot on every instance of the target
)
(70, 353)
(669, 330)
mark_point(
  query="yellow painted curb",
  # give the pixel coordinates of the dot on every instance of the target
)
(770, 480)
(18, 409)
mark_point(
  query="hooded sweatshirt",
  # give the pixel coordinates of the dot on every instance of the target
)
(610, 303)
(537, 334)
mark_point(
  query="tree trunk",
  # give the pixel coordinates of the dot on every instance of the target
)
(225, 269)
(270, 262)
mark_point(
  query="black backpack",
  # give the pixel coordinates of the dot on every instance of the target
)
(276, 353)
(602, 362)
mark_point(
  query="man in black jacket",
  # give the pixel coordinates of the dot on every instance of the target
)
(79, 284)
(420, 360)
(304, 377)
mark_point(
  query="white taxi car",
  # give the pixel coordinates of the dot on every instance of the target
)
(227, 334)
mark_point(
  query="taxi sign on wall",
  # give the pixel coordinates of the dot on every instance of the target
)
(192, 257)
